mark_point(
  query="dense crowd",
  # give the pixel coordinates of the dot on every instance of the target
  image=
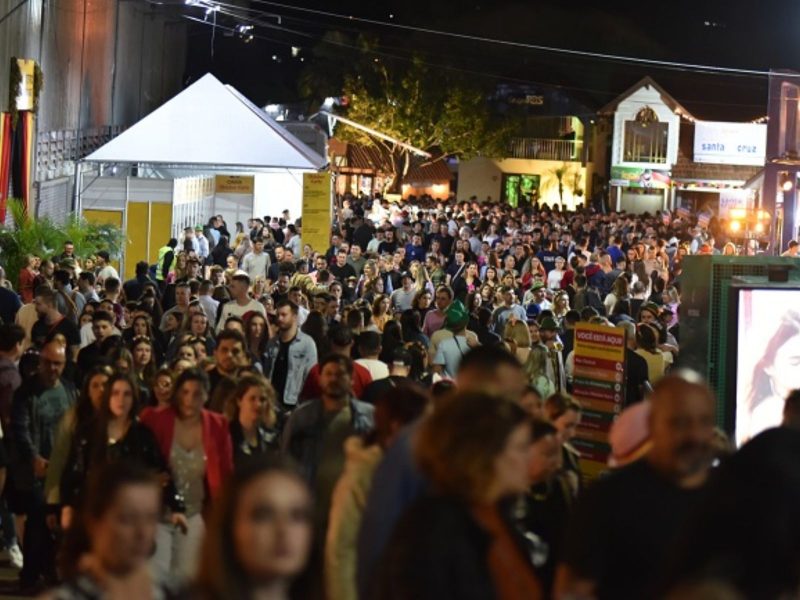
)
(388, 417)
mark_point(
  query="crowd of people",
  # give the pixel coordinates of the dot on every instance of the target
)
(388, 417)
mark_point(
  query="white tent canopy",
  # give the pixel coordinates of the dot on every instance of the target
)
(209, 124)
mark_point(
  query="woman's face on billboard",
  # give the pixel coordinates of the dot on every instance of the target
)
(784, 373)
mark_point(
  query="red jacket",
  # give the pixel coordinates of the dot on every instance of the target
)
(216, 442)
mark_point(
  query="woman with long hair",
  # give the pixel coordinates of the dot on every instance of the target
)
(490, 277)
(106, 553)
(118, 436)
(142, 326)
(392, 339)
(380, 311)
(253, 419)
(647, 337)
(259, 539)
(257, 330)
(620, 290)
(467, 282)
(560, 305)
(73, 431)
(422, 303)
(475, 451)
(317, 327)
(411, 327)
(196, 444)
(144, 364)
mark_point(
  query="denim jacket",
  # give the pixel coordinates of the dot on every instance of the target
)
(302, 356)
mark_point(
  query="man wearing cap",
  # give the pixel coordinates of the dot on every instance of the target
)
(202, 243)
(649, 313)
(450, 351)
(548, 330)
(403, 299)
(537, 296)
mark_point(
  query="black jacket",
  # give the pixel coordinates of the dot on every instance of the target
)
(438, 552)
(139, 445)
(267, 443)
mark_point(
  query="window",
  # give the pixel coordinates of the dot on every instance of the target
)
(646, 138)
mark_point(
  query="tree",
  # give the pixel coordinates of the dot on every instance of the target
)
(428, 108)
(42, 237)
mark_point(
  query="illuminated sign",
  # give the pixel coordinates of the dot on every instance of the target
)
(730, 143)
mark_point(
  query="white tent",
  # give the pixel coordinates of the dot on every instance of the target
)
(208, 150)
(209, 124)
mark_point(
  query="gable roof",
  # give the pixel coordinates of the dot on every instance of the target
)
(673, 104)
(209, 124)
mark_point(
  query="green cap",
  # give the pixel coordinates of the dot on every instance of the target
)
(548, 324)
(456, 315)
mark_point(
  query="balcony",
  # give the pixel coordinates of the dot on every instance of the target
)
(544, 149)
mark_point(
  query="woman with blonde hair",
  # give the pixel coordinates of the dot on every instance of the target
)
(560, 305)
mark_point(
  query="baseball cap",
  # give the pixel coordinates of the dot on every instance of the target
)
(456, 315)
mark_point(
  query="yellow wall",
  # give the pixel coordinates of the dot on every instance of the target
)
(483, 177)
(105, 217)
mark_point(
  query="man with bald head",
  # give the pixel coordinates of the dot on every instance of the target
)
(622, 528)
(38, 406)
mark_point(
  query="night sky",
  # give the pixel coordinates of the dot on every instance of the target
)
(756, 35)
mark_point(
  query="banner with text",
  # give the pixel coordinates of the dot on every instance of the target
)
(317, 210)
(599, 385)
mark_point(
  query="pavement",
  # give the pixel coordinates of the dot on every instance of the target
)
(9, 585)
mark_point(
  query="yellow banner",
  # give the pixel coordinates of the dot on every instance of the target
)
(317, 210)
(235, 184)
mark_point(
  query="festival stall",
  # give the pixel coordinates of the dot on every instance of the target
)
(207, 151)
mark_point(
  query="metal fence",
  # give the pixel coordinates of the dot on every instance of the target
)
(544, 149)
(58, 151)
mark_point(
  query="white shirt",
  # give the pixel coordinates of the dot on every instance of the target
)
(107, 272)
(377, 369)
(232, 309)
(554, 278)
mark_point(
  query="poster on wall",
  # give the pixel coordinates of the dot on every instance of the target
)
(521, 190)
(633, 177)
(768, 334)
(317, 210)
(599, 385)
(233, 197)
(730, 199)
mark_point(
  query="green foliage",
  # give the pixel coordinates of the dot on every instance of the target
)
(42, 237)
(424, 107)
(434, 109)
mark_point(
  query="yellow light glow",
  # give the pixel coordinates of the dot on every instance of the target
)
(763, 215)
(738, 213)
(736, 226)
(787, 185)
(759, 228)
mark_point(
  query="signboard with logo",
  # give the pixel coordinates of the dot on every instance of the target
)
(633, 177)
(729, 199)
(317, 210)
(599, 385)
(234, 184)
(730, 143)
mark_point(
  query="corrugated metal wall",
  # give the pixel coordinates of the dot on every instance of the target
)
(106, 64)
